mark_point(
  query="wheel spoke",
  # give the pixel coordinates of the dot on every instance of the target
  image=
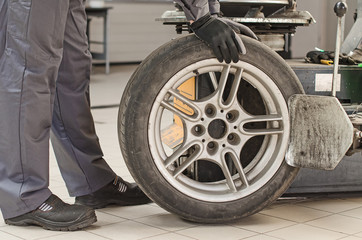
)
(275, 126)
(234, 88)
(222, 84)
(213, 79)
(227, 174)
(194, 116)
(239, 168)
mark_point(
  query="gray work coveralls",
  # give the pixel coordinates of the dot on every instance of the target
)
(44, 83)
(44, 78)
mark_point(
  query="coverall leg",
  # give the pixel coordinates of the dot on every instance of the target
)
(31, 51)
(73, 135)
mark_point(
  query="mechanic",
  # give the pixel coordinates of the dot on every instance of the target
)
(44, 93)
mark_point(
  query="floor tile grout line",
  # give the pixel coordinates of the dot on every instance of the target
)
(311, 225)
(11, 234)
(195, 226)
(314, 208)
(359, 233)
(167, 233)
(99, 235)
(59, 234)
(307, 223)
(329, 214)
(184, 235)
(262, 234)
(173, 231)
(358, 218)
(276, 229)
(107, 213)
(348, 235)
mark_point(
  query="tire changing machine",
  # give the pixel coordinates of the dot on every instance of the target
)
(275, 22)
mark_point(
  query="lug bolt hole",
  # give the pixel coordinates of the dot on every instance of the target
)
(198, 130)
(232, 116)
(233, 139)
(210, 110)
(212, 148)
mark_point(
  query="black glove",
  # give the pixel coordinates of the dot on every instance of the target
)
(220, 37)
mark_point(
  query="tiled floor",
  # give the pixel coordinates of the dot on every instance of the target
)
(294, 218)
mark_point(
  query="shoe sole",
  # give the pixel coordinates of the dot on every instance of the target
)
(83, 221)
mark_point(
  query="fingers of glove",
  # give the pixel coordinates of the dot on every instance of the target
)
(225, 51)
(234, 50)
(239, 44)
(218, 53)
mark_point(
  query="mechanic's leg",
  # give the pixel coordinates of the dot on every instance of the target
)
(31, 42)
(74, 139)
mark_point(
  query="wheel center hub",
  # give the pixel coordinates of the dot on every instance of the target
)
(217, 129)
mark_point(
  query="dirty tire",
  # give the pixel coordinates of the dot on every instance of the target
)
(213, 176)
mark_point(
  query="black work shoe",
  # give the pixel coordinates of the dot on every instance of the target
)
(56, 215)
(117, 192)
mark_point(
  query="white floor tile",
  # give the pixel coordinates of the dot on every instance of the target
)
(261, 237)
(303, 232)
(262, 223)
(214, 232)
(133, 212)
(295, 213)
(351, 238)
(166, 221)
(169, 236)
(331, 205)
(126, 230)
(104, 219)
(8, 236)
(28, 232)
(356, 213)
(77, 235)
(339, 223)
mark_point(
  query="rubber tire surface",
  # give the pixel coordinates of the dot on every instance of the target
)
(134, 112)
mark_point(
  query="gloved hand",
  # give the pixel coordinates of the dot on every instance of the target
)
(220, 36)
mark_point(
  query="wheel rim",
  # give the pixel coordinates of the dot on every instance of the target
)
(216, 129)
